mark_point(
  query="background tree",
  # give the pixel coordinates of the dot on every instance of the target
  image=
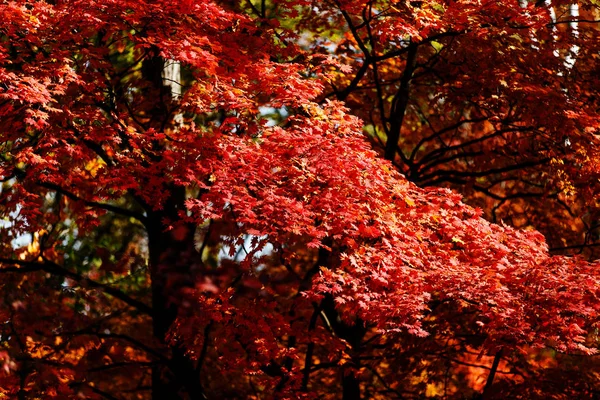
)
(239, 238)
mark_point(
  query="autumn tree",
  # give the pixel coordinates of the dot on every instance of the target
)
(223, 199)
(488, 100)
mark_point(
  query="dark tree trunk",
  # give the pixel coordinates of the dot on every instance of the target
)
(350, 387)
(173, 263)
(354, 335)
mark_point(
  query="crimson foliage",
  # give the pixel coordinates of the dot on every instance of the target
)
(228, 231)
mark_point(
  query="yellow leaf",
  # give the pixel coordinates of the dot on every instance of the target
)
(433, 390)
(457, 240)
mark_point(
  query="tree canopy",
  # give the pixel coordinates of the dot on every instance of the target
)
(297, 199)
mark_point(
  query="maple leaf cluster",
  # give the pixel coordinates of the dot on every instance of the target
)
(231, 232)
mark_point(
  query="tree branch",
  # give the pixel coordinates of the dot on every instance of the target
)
(53, 268)
(310, 349)
(436, 134)
(492, 374)
(399, 105)
(94, 204)
(443, 174)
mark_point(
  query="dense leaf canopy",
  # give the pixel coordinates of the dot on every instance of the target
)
(299, 199)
